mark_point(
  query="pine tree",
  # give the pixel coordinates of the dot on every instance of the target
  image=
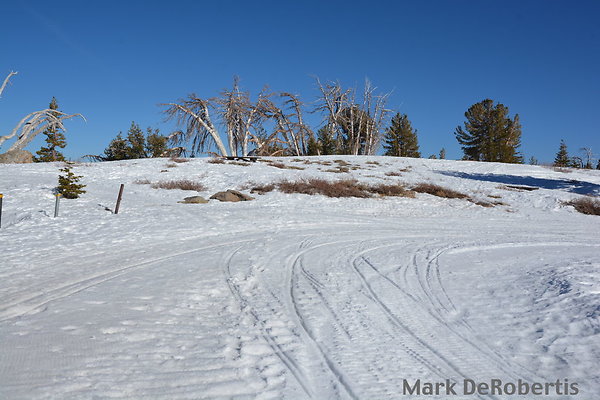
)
(54, 140)
(312, 147)
(327, 143)
(137, 142)
(400, 139)
(68, 185)
(156, 144)
(117, 149)
(443, 154)
(490, 134)
(562, 156)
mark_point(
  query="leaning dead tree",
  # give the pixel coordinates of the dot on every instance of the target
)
(33, 123)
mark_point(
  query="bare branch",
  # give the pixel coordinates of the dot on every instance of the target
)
(11, 74)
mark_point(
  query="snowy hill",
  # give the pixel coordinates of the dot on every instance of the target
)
(296, 296)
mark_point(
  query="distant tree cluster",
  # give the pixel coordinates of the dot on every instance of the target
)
(563, 159)
(274, 123)
(135, 145)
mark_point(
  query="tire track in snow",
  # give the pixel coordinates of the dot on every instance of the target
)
(33, 303)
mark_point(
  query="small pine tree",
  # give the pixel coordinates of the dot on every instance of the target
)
(400, 139)
(443, 154)
(562, 156)
(312, 147)
(68, 185)
(137, 142)
(117, 149)
(54, 140)
(533, 161)
(327, 142)
(598, 165)
(156, 144)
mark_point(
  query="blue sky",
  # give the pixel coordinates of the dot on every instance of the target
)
(115, 61)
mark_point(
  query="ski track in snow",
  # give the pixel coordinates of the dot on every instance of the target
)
(298, 303)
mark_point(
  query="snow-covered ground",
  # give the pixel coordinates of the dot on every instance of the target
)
(294, 296)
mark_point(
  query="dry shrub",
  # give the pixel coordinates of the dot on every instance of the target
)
(182, 184)
(242, 164)
(373, 162)
(342, 188)
(179, 160)
(142, 182)
(170, 165)
(439, 191)
(338, 170)
(393, 173)
(518, 188)
(215, 160)
(586, 205)
(482, 203)
(262, 189)
(390, 190)
(283, 166)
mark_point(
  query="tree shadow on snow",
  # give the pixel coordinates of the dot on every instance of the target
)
(569, 185)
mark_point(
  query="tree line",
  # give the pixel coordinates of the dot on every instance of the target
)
(353, 121)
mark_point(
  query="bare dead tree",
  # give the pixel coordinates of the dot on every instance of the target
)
(588, 156)
(193, 114)
(33, 123)
(241, 116)
(356, 126)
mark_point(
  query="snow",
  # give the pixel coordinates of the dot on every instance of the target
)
(295, 296)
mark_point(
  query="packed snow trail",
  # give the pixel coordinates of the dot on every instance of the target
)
(271, 300)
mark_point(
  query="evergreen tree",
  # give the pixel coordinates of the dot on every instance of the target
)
(135, 145)
(327, 143)
(490, 134)
(136, 141)
(118, 149)
(533, 161)
(54, 140)
(156, 144)
(562, 156)
(443, 154)
(68, 185)
(312, 147)
(400, 139)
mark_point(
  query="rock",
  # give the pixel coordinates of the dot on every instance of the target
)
(231, 195)
(194, 200)
(16, 157)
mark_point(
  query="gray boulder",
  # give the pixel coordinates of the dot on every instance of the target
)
(16, 157)
(231, 195)
(194, 200)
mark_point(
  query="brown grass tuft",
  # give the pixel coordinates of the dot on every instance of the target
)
(240, 163)
(393, 173)
(182, 184)
(586, 205)
(142, 182)
(179, 160)
(215, 160)
(283, 166)
(439, 191)
(342, 188)
(262, 189)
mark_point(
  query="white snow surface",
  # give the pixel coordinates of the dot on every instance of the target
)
(291, 296)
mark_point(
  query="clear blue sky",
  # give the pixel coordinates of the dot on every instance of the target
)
(115, 61)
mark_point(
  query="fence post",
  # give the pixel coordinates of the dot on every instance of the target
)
(56, 204)
(1, 196)
(119, 198)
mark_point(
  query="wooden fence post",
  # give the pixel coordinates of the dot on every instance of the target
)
(58, 196)
(1, 196)
(119, 198)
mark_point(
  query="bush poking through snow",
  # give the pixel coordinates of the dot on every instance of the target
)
(439, 191)
(182, 184)
(68, 185)
(178, 160)
(586, 205)
(216, 160)
(341, 188)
